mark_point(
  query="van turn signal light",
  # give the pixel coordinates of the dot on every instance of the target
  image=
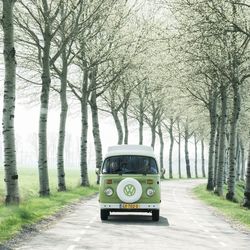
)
(150, 181)
(109, 181)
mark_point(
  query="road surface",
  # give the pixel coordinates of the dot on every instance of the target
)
(185, 223)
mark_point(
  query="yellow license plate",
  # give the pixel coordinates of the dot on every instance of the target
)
(130, 206)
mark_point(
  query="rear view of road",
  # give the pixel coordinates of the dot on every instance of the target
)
(185, 223)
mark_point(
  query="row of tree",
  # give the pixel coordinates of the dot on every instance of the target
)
(214, 39)
(181, 76)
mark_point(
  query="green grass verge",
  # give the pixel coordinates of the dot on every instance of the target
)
(229, 209)
(33, 208)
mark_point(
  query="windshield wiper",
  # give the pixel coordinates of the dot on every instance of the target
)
(131, 172)
(120, 172)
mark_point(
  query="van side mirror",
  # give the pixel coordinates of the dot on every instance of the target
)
(97, 171)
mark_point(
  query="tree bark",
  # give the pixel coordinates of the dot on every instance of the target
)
(213, 124)
(125, 122)
(242, 173)
(118, 126)
(96, 129)
(62, 128)
(179, 150)
(11, 176)
(234, 64)
(232, 150)
(84, 130)
(238, 155)
(161, 152)
(141, 120)
(216, 153)
(171, 148)
(188, 169)
(153, 136)
(226, 161)
(203, 159)
(246, 201)
(195, 156)
(46, 80)
(222, 131)
(64, 109)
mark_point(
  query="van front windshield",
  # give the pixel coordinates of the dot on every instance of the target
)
(130, 165)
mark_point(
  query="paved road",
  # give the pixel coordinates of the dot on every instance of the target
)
(185, 223)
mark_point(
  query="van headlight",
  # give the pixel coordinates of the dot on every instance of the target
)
(108, 191)
(150, 192)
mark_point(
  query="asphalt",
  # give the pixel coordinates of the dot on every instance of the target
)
(185, 223)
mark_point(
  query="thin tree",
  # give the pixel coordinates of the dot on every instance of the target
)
(246, 202)
(203, 158)
(161, 151)
(187, 136)
(11, 176)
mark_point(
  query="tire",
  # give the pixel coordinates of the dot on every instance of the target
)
(155, 215)
(104, 214)
(137, 190)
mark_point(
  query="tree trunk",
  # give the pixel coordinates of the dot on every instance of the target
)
(63, 115)
(84, 130)
(96, 132)
(125, 122)
(238, 154)
(203, 159)
(43, 161)
(242, 173)
(222, 131)
(153, 136)
(11, 176)
(118, 126)
(141, 121)
(246, 202)
(179, 150)
(226, 165)
(232, 150)
(216, 153)
(187, 153)
(213, 124)
(161, 152)
(63, 118)
(171, 148)
(195, 156)
(234, 64)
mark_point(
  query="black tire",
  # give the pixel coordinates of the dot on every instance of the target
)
(155, 215)
(104, 214)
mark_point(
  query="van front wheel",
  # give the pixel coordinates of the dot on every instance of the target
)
(104, 214)
(155, 215)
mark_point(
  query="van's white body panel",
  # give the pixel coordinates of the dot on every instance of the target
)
(130, 150)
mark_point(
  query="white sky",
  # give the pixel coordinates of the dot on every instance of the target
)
(26, 125)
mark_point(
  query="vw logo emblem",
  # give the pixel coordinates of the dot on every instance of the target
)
(129, 190)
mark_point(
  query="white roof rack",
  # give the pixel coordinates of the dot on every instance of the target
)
(130, 150)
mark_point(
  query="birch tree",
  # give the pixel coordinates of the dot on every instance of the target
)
(187, 136)
(65, 40)
(246, 202)
(203, 159)
(11, 176)
(179, 148)
(222, 145)
(139, 107)
(161, 138)
(169, 127)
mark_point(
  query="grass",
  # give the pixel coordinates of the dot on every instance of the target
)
(231, 210)
(33, 208)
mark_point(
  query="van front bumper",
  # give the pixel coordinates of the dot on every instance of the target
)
(132, 206)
